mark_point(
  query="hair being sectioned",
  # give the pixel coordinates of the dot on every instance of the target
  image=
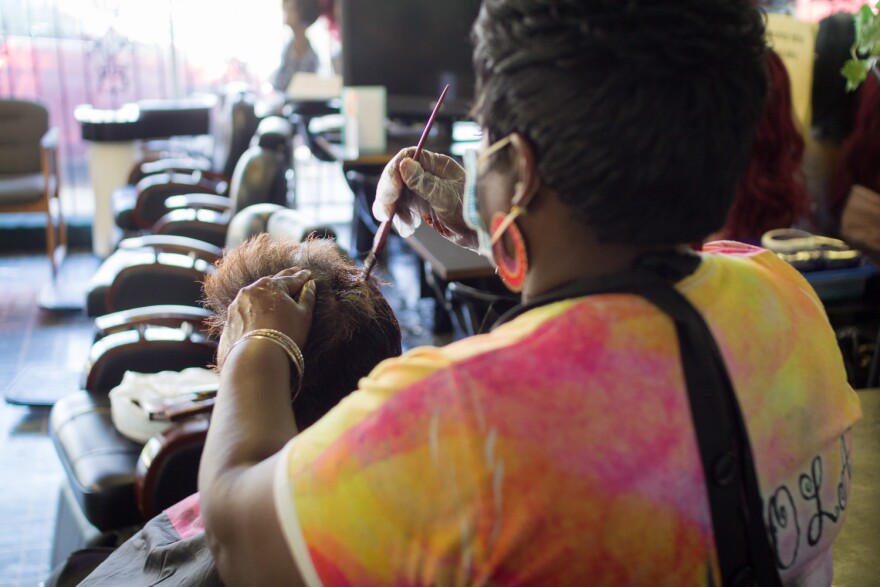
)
(641, 112)
(353, 326)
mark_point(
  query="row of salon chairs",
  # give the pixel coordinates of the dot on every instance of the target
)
(188, 230)
(144, 298)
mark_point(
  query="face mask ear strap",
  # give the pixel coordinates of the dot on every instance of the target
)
(523, 196)
(527, 185)
(514, 213)
(494, 148)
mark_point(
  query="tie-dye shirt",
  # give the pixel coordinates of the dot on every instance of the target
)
(559, 449)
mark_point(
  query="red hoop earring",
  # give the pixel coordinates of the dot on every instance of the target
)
(511, 270)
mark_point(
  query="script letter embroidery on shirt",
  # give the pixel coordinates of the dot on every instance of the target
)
(782, 518)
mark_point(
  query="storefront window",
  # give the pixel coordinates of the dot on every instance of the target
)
(111, 52)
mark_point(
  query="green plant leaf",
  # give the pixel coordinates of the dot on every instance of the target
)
(855, 71)
(867, 26)
(866, 49)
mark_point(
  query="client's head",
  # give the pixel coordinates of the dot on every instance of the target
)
(353, 327)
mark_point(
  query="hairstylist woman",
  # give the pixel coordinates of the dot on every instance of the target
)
(602, 434)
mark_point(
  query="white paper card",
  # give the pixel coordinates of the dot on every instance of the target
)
(364, 111)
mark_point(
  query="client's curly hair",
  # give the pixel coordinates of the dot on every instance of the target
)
(353, 327)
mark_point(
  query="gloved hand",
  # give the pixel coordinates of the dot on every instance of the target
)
(430, 189)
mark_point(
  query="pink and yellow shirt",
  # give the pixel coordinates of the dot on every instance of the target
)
(559, 449)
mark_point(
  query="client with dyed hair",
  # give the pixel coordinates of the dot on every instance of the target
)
(353, 330)
(354, 327)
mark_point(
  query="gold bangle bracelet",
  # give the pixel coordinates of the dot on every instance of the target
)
(286, 343)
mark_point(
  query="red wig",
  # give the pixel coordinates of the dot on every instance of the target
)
(859, 161)
(772, 191)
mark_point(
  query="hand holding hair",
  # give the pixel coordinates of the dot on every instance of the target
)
(283, 302)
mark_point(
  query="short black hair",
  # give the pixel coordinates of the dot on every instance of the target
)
(353, 326)
(641, 112)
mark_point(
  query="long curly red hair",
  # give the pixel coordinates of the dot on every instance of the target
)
(859, 161)
(772, 191)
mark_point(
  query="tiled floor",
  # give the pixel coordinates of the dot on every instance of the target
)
(43, 352)
(30, 473)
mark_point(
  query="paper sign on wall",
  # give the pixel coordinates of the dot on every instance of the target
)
(795, 43)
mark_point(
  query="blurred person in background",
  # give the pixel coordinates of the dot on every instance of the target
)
(772, 191)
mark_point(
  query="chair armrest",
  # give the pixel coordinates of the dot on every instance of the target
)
(49, 160)
(171, 315)
(50, 139)
(167, 470)
(174, 244)
(153, 163)
(174, 164)
(199, 201)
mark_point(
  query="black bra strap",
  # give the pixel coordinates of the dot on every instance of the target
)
(741, 539)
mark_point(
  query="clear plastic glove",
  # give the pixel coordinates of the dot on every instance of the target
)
(431, 189)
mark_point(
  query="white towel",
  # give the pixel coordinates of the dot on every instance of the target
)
(140, 393)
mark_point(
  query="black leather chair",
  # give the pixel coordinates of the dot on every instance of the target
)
(114, 484)
(166, 268)
(263, 174)
(99, 504)
(137, 205)
(138, 209)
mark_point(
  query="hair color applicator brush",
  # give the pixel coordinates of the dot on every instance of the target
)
(385, 227)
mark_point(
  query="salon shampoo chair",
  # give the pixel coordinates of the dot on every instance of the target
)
(233, 121)
(137, 209)
(263, 174)
(137, 204)
(166, 268)
(113, 484)
(99, 503)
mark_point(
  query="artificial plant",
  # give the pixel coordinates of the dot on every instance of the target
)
(866, 49)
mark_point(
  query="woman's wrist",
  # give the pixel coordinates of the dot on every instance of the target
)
(286, 344)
